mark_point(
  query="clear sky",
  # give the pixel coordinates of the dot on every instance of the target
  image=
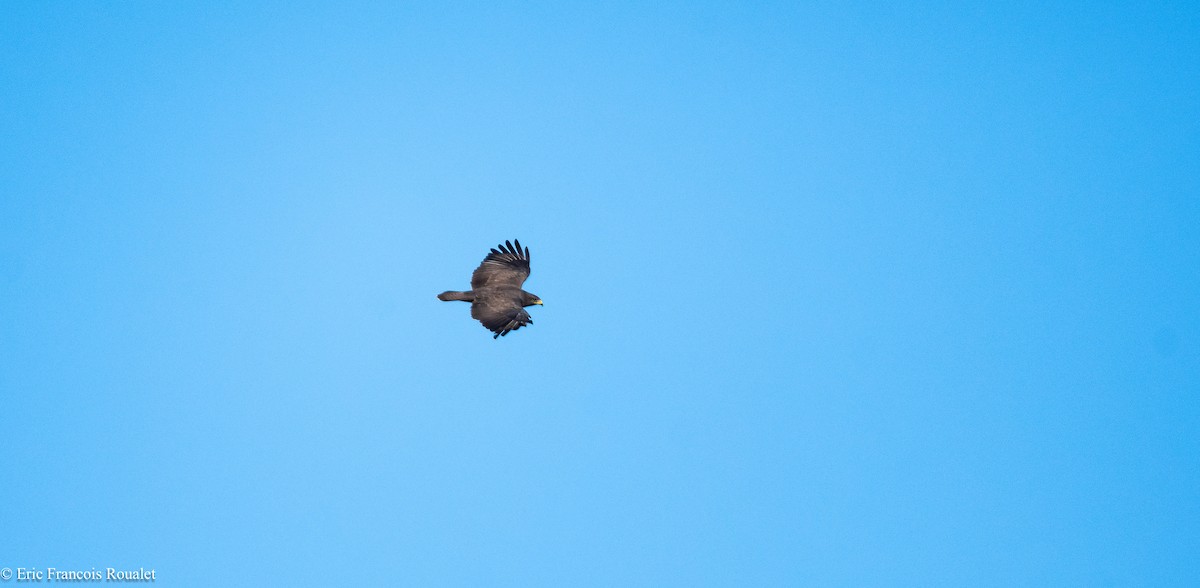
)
(835, 294)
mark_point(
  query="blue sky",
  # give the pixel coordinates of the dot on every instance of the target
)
(836, 294)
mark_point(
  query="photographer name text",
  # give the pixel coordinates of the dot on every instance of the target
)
(89, 575)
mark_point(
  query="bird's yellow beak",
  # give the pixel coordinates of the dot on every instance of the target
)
(538, 301)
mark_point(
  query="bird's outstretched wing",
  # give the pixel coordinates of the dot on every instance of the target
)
(507, 267)
(501, 320)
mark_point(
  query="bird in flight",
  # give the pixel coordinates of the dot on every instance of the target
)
(496, 297)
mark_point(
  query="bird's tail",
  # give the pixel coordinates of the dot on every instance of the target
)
(448, 295)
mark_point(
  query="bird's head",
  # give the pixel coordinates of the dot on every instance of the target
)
(531, 300)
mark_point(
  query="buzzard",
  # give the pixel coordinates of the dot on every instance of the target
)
(496, 297)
